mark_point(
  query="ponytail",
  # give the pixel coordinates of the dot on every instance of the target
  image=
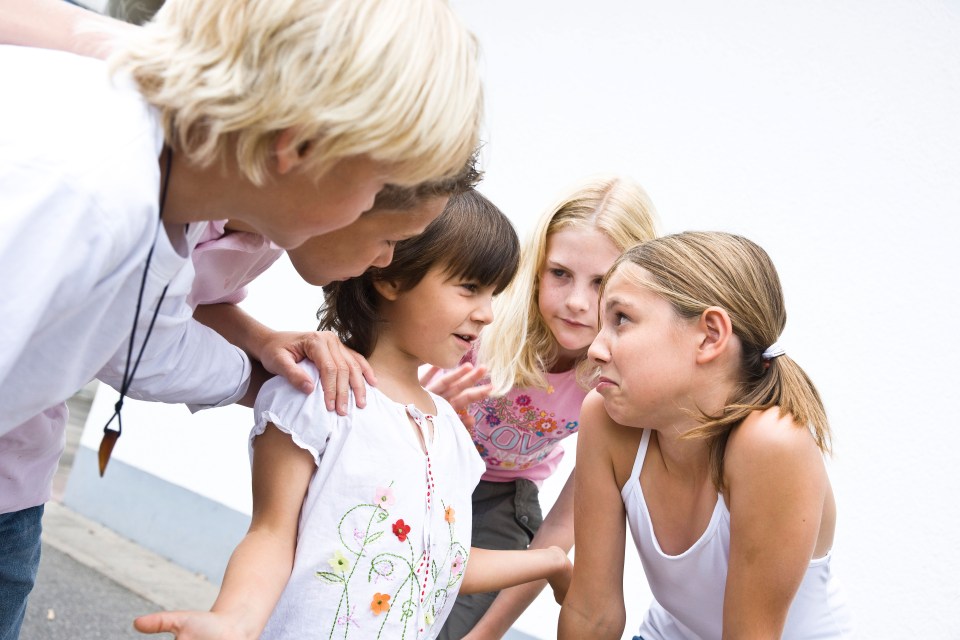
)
(697, 270)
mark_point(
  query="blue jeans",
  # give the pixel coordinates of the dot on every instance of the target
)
(19, 560)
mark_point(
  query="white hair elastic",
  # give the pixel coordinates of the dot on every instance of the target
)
(773, 351)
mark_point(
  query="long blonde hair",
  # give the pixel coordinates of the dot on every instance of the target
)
(518, 347)
(396, 80)
(696, 270)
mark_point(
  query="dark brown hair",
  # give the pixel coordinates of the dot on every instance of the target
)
(472, 239)
(404, 198)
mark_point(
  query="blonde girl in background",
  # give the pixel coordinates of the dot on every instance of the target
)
(544, 322)
(708, 440)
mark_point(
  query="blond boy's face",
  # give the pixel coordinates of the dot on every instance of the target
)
(295, 206)
(368, 242)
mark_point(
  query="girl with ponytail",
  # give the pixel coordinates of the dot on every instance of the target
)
(708, 440)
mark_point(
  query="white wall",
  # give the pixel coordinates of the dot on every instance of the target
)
(828, 131)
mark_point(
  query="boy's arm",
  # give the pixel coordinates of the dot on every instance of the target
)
(260, 565)
(54, 24)
(556, 531)
(594, 606)
(490, 570)
(341, 369)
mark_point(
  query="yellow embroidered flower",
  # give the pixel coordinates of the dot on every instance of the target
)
(428, 618)
(450, 515)
(339, 562)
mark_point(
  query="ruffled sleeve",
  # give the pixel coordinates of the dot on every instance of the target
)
(303, 416)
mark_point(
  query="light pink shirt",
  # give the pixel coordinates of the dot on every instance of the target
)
(518, 435)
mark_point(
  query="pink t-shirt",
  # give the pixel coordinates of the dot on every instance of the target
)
(226, 262)
(518, 435)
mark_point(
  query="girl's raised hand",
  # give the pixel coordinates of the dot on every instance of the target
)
(458, 387)
(190, 625)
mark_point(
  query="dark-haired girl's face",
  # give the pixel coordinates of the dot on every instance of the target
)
(437, 321)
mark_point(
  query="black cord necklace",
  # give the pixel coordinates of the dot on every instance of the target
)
(110, 436)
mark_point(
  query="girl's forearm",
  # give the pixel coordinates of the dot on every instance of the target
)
(595, 622)
(255, 578)
(490, 570)
(556, 531)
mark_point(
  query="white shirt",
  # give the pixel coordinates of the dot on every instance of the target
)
(79, 210)
(381, 516)
(79, 193)
(688, 588)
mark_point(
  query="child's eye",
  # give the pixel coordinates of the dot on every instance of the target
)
(557, 273)
(472, 287)
(597, 282)
(619, 319)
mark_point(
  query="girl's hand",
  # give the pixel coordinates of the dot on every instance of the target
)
(560, 580)
(458, 387)
(189, 625)
(341, 368)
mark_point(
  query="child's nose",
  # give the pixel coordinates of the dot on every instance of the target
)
(598, 351)
(384, 259)
(484, 311)
(579, 299)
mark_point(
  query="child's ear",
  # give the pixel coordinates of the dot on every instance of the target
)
(717, 332)
(388, 289)
(288, 155)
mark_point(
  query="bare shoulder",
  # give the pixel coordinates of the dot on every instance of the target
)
(767, 442)
(599, 431)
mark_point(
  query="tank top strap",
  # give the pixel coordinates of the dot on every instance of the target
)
(641, 454)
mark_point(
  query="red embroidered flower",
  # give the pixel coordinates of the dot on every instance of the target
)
(401, 529)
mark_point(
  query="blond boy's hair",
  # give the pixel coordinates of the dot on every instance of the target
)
(395, 80)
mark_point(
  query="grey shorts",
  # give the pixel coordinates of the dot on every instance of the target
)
(506, 515)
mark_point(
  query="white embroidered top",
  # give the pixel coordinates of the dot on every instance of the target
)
(384, 532)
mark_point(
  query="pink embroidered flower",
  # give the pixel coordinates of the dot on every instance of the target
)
(450, 515)
(457, 565)
(384, 497)
(523, 400)
(493, 462)
(401, 529)
(380, 603)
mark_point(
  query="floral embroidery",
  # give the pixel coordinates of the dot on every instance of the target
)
(482, 450)
(456, 567)
(401, 529)
(347, 618)
(384, 497)
(339, 562)
(523, 400)
(380, 603)
(419, 582)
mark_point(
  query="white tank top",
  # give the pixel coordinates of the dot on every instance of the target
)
(688, 588)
